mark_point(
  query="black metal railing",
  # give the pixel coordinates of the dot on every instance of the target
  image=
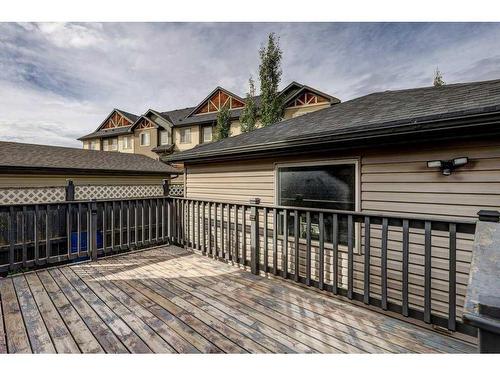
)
(35, 235)
(414, 266)
(382, 260)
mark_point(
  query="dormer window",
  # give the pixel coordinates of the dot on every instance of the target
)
(164, 137)
(145, 139)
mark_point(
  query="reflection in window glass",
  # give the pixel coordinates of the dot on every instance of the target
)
(320, 186)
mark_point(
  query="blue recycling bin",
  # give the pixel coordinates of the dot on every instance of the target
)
(83, 241)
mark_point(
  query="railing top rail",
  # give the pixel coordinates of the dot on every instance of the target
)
(358, 214)
(7, 206)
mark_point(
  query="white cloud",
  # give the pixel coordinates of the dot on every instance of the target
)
(58, 81)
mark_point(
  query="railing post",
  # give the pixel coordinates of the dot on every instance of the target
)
(482, 302)
(166, 191)
(70, 191)
(93, 231)
(254, 237)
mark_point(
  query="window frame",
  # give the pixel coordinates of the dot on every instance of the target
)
(127, 142)
(149, 138)
(357, 194)
(162, 132)
(181, 130)
(203, 134)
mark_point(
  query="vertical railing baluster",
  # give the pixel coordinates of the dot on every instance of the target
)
(244, 235)
(275, 242)
(284, 254)
(366, 296)
(427, 272)
(88, 227)
(121, 224)
(229, 254)
(113, 204)
(266, 241)
(23, 236)
(296, 245)
(157, 220)
(321, 263)
(143, 222)
(188, 221)
(216, 242)
(210, 250)
(452, 278)
(193, 224)
(79, 230)
(335, 253)
(406, 256)
(222, 249)
(104, 227)
(48, 233)
(12, 239)
(150, 221)
(68, 230)
(36, 226)
(198, 225)
(350, 256)
(203, 230)
(236, 235)
(136, 223)
(308, 248)
(129, 223)
(385, 230)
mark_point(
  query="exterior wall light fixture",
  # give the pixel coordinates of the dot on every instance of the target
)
(447, 166)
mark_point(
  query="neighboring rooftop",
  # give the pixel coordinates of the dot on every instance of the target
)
(186, 116)
(374, 112)
(19, 157)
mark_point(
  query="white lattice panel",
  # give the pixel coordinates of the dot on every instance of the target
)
(32, 195)
(176, 190)
(87, 192)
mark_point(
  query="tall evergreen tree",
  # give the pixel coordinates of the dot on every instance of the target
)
(248, 118)
(270, 76)
(438, 78)
(223, 127)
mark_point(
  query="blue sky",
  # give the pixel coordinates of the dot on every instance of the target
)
(59, 81)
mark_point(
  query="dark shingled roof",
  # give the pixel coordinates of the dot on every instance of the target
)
(22, 156)
(371, 112)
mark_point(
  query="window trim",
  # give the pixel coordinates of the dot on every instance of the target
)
(161, 132)
(180, 136)
(140, 138)
(203, 128)
(357, 193)
(127, 142)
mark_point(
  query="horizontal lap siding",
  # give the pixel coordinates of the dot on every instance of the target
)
(392, 181)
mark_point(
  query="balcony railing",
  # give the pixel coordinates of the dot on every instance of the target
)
(414, 266)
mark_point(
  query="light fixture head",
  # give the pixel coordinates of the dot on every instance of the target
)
(458, 162)
(448, 166)
(434, 164)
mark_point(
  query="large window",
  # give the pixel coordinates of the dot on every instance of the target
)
(207, 134)
(127, 143)
(164, 137)
(110, 144)
(145, 139)
(330, 186)
(186, 135)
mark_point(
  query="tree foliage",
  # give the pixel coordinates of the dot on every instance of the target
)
(270, 76)
(223, 127)
(248, 118)
(438, 78)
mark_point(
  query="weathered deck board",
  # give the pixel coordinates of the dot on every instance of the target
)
(169, 300)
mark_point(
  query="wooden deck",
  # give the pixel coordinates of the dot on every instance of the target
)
(169, 300)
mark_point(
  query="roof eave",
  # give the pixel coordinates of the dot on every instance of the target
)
(80, 171)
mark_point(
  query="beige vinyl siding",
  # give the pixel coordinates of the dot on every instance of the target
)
(153, 142)
(302, 110)
(392, 181)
